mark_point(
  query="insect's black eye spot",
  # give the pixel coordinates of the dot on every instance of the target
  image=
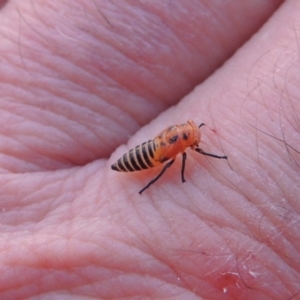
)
(173, 139)
(185, 136)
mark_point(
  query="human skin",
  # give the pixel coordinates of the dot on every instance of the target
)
(79, 82)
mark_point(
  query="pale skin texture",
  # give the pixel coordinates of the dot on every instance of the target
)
(81, 78)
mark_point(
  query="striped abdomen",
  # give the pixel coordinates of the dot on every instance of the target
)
(139, 158)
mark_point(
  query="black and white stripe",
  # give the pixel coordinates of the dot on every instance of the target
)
(139, 158)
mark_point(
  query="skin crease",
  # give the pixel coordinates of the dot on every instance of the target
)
(78, 79)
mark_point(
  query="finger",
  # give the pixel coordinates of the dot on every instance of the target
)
(81, 81)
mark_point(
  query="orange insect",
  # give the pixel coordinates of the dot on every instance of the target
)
(170, 142)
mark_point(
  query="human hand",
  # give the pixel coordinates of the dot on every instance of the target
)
(79, 79)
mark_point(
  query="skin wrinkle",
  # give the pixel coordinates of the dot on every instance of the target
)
(183, 35)
(38, 150)
(288, 248)
(36, 194)
(267, 236)
(40, 123)
(251, 253)
(143, 67)
(267, 288)
(34, 167)
(274, 152)
(276, 181)
(66, 131)
(54, 46)
(7, 169)
(186, 286)
(145, 264)
(151, 231)
(162, 218)
(27, 147)
(270, 267)
(135, 29)
(199, 220)
(56, 78)
(192, 211)
(114, 105)
(264, 213)
(208, 218)
(50, 276)
(289, 283)
(286, 286)
(215, 271)
(183, 47)
(272, 220)
(155, 268)
(110, 77)
(26, 203)
(235, 187)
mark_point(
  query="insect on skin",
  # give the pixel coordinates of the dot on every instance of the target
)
(164, 147)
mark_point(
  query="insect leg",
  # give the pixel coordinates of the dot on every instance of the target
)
(210, 154)
(183, 166)
(202, 124)
(168, 165)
